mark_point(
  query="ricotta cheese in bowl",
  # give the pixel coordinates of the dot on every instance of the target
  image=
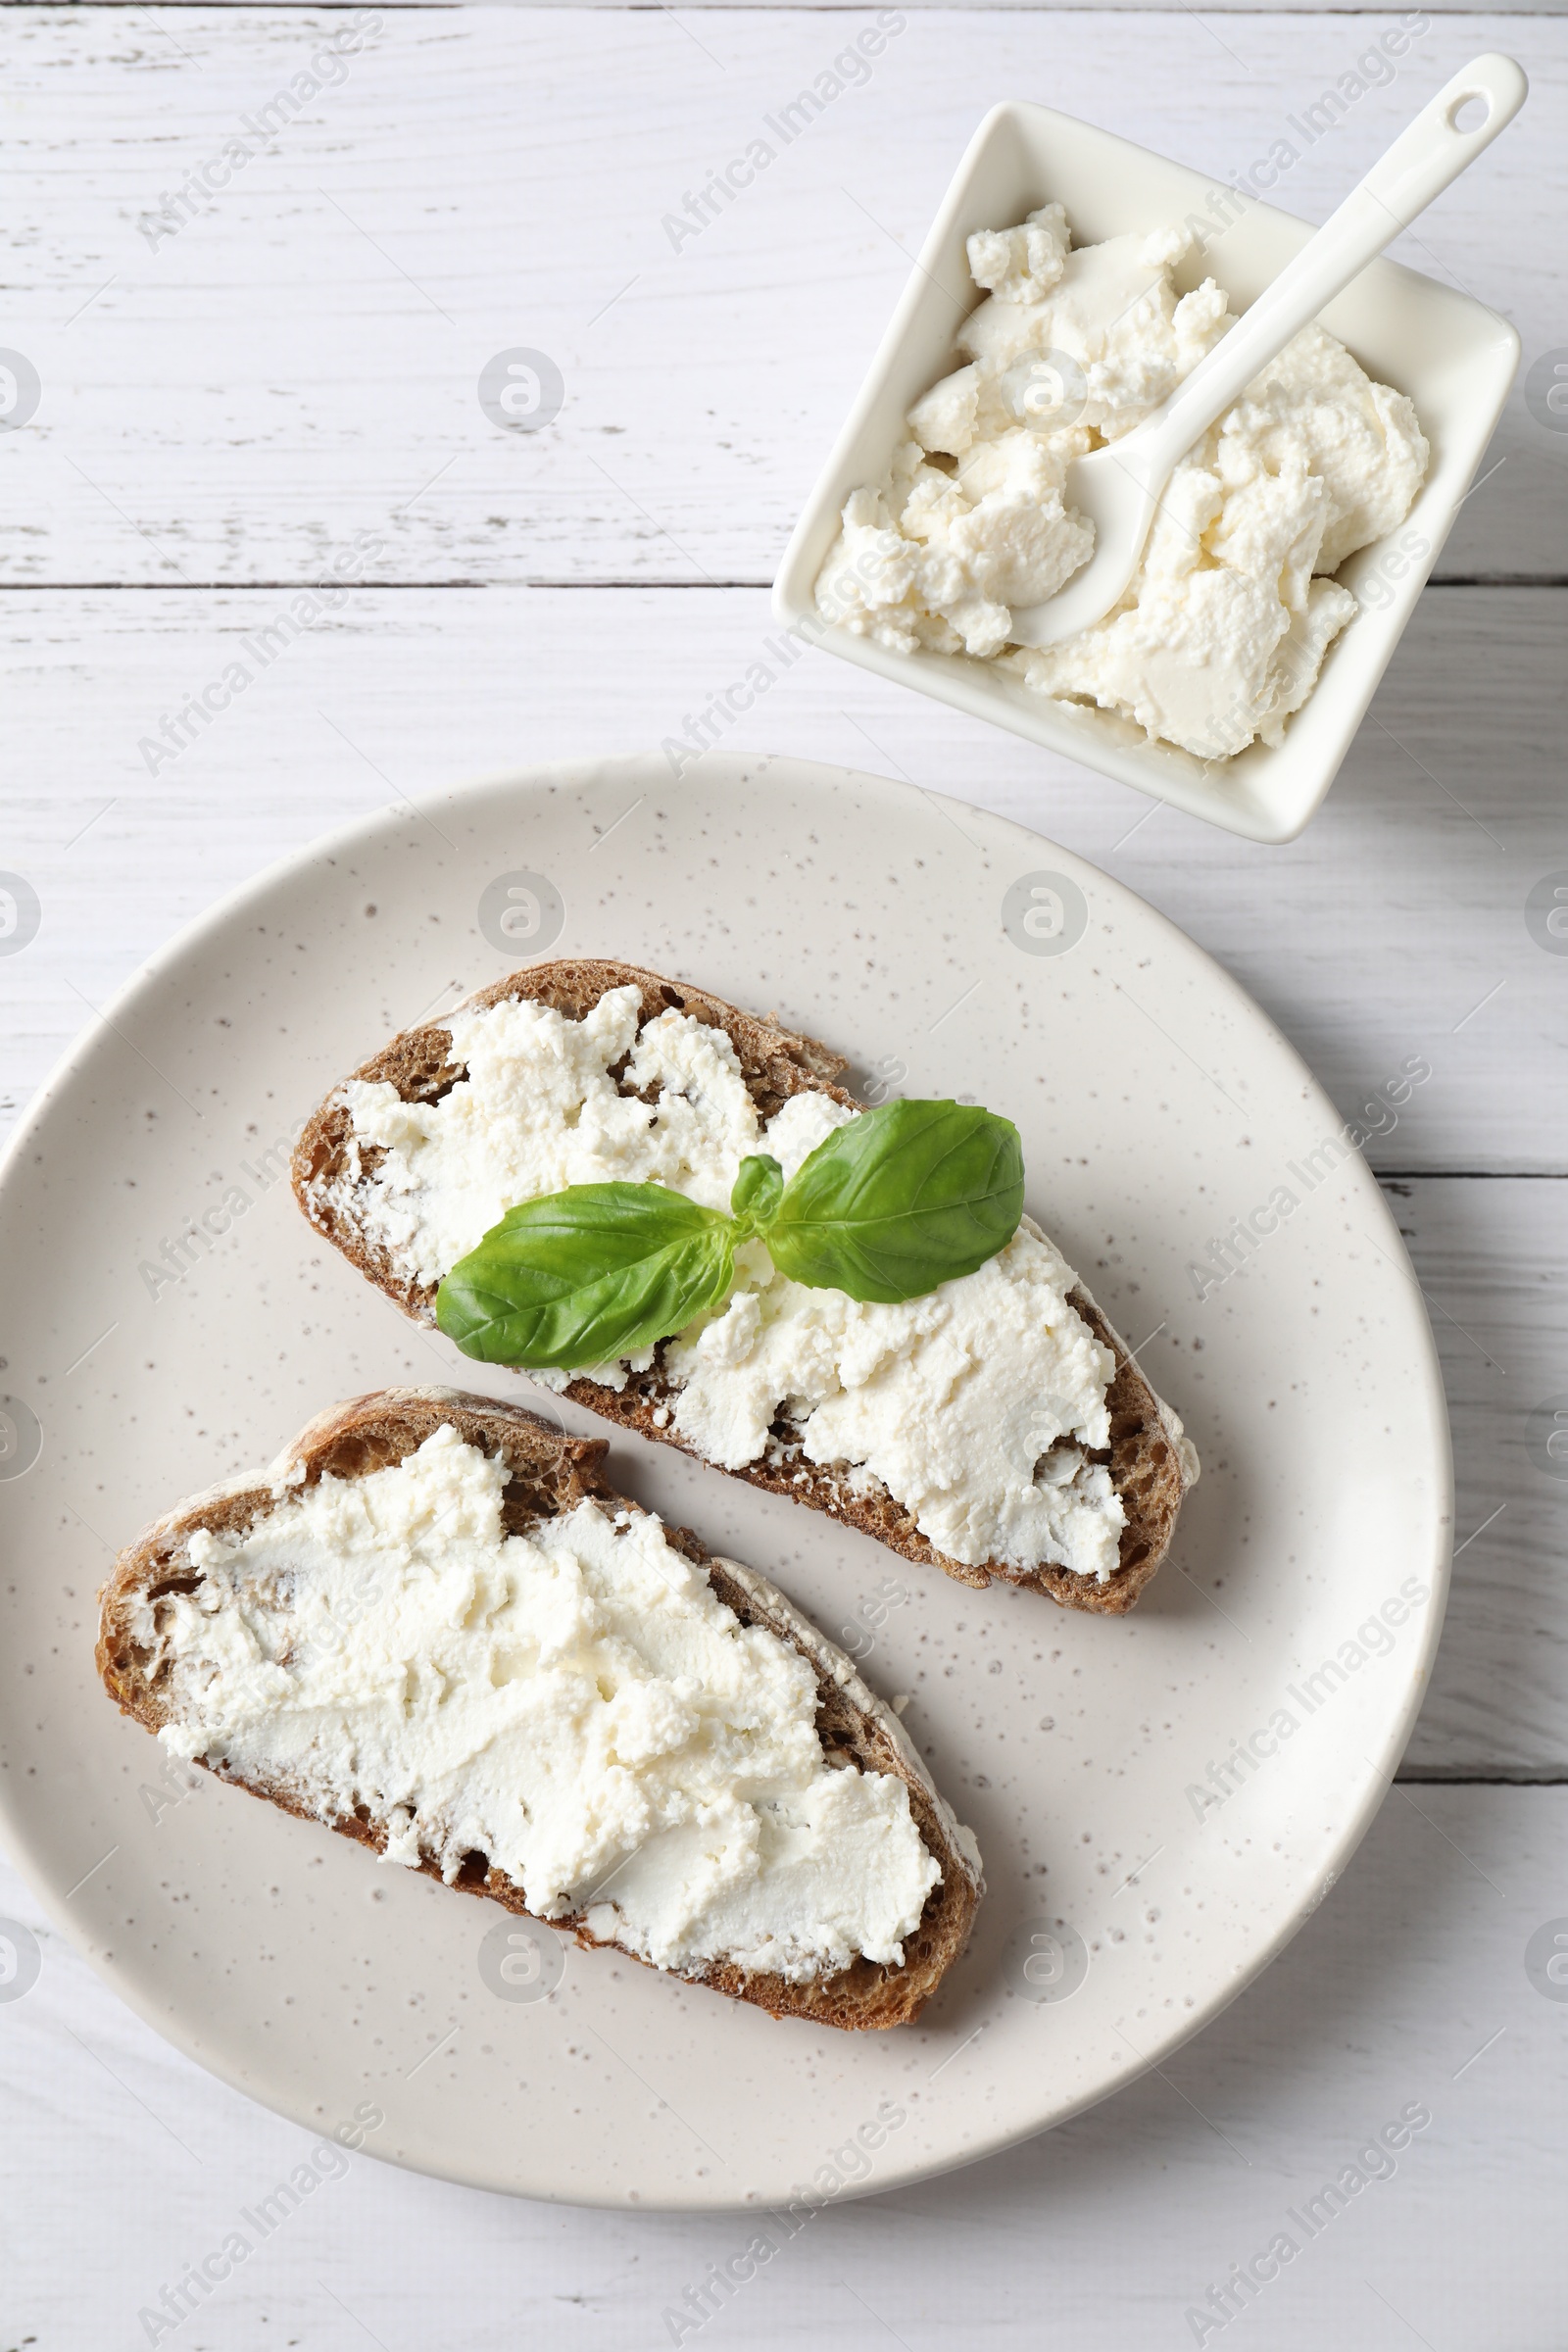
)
(1223, 631)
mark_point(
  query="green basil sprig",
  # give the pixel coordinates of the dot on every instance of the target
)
(891, 1206)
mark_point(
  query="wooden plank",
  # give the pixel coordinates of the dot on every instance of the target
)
(1394, 927)
(1404, 1994)
(231, 396)
(1493, 1259)
(1214, 8)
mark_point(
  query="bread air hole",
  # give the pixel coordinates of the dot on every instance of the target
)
(167, 1586)
(356, 1455)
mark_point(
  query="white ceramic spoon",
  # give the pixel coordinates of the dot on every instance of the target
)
(1118, 488)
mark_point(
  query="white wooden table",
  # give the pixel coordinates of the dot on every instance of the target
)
(234, 392)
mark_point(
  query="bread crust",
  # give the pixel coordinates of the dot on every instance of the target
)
(1151, 1461)
(550, 1475)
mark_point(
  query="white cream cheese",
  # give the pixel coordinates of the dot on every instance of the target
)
(1223, 631)
(576, 1705)
(538, 1110)
(970, 1405)
(973, 1406)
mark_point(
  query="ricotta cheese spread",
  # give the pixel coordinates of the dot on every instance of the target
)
(1223, 630)
(576, 1705)
(974, 1407)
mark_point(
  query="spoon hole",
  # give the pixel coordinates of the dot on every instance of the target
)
(1470, 111)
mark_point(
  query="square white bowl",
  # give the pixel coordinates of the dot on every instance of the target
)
(1453, 356)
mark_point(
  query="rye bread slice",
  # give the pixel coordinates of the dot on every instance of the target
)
(550, 1476)
(1152, 1463)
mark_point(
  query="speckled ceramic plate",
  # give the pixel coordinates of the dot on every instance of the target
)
(1161, 1799)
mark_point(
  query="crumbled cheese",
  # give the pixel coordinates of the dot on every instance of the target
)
(1021, 264)
(576, 1705)
(970, 1405)
(1223, 631)
(973, 1407)
(538, 1110)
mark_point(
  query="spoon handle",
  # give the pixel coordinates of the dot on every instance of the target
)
(1418, 166)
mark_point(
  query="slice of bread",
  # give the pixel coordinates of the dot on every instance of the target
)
(550, 1476)
(1152, 1463)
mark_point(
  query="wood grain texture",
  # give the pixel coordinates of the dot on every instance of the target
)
(1406, 1989)
(232, 405)
(1394, 927)
(1212, 8)
(233, 396)
(1491, 1257)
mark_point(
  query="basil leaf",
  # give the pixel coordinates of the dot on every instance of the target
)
(759, 1190)
(585, 1275)
(900, 1199)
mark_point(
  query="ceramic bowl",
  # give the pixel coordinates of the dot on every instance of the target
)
(1452, 355)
